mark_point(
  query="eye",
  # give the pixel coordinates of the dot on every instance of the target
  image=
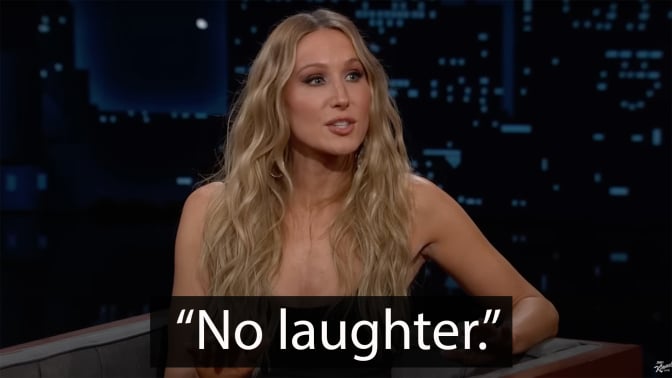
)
(354, 76)
(314, 80)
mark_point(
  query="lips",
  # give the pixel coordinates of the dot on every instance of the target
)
(341, 126)
(340, 122)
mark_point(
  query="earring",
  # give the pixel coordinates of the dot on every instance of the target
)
(275, 172)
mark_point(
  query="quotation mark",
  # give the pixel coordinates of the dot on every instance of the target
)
(189, 314)
(487, 316)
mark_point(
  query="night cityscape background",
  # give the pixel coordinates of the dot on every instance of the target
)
(549, 121)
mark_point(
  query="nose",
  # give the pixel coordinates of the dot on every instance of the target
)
(340, 98)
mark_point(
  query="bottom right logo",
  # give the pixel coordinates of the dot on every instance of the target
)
(661, 367)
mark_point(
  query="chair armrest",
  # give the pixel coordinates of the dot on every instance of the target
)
(119, 348)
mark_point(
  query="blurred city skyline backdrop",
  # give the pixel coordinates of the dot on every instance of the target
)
(548, 121)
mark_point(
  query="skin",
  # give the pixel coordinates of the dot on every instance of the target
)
(328, 82)
(325, 85)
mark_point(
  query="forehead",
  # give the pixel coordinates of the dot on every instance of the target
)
(324, 46)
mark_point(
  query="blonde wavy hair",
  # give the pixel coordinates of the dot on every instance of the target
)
(244, 227)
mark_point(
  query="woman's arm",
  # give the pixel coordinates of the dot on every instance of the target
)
(189, 279)
(456, 244)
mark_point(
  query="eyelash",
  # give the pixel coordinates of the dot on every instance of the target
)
(310, 79)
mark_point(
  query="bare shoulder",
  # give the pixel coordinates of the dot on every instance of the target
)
(196, 208)
(421, 186)
(200, 198)
(437, 216)
(428, 198)
(188, 278)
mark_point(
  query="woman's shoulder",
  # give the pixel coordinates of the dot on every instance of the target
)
(195, 208)
(430, 202)
(204, 194)
(424, 191)
(189, 278)
(208, 190)
(418, 182)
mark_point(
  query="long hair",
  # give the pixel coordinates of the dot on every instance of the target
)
(244, 227)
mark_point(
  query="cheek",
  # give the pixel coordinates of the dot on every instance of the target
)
(365, 98)
(303, 109)
(303, 117)
(366, 106)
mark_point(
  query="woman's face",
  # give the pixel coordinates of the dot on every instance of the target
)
(328, 96)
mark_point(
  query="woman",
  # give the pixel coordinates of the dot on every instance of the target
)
(315, 196)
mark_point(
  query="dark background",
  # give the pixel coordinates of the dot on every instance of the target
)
(548, 121)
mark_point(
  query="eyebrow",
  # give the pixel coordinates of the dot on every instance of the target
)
(322, 65)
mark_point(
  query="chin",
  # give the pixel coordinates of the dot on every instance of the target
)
(334, 147)
(343, 150)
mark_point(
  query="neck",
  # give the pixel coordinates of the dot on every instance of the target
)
(319, 181)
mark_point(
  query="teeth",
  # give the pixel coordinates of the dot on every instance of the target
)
(341, 124)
